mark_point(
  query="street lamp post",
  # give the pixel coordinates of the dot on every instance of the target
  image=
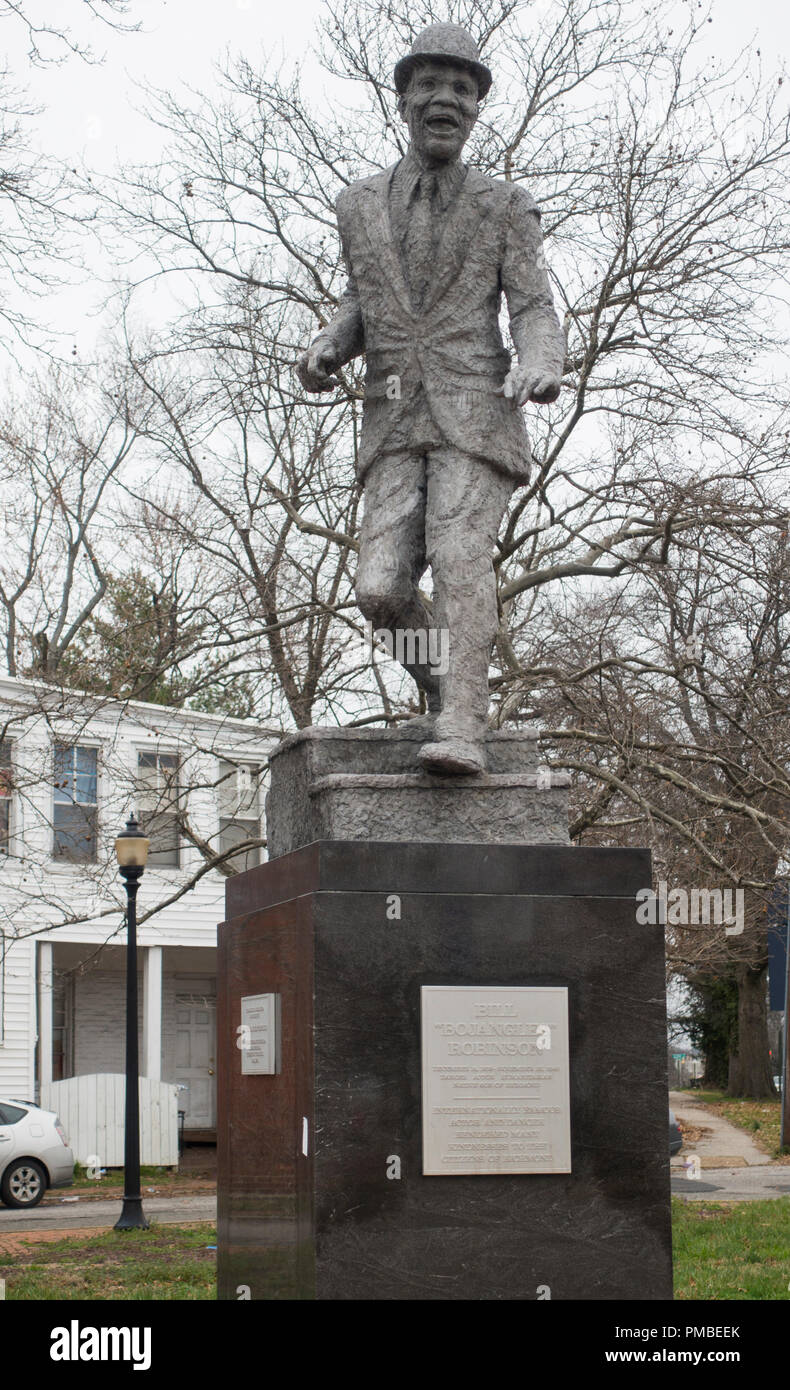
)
(131, 849)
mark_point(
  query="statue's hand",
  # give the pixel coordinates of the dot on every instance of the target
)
(314, 369)
(524, 384)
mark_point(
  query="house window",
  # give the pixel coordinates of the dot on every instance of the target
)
(239, 813)
(5, 795)
(157, 780)
(75, 813)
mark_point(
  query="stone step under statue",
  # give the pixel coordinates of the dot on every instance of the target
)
(366, 784)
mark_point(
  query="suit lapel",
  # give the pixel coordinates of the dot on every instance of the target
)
(379, 233)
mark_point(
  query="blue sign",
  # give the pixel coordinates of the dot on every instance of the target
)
(778, 914)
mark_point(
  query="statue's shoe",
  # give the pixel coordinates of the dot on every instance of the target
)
(452, 756)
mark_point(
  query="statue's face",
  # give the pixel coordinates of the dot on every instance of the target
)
(440, 109)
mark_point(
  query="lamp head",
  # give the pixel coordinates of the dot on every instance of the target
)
(131, 846)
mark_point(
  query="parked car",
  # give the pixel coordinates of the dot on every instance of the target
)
(675, 1135)
(34, 1153)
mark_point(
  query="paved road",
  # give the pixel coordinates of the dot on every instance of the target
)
(735, 1184)
(166, 1211)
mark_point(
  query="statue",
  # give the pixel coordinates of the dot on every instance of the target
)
(430, 245)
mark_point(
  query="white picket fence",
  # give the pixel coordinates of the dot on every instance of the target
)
(91, 1110)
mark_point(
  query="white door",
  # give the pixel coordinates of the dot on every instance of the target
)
(196, 1030)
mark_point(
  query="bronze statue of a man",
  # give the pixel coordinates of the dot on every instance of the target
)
(430, 246)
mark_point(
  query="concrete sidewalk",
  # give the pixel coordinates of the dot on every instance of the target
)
(102, 1215)
(723, 1145)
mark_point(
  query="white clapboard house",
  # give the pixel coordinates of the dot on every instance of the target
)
(72, 767)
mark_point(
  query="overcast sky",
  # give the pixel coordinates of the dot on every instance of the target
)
(89, 112)
(90, 109)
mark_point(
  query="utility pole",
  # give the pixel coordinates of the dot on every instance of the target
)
(784, 1136)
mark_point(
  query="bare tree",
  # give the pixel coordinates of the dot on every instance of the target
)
(667, 697)
(48, 39)
(267, 493)
(63, 443)
(40, 208)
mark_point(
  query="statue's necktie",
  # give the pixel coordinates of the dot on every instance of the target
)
(420, 240)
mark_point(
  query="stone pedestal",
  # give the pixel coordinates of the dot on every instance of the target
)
(365, 784)
(312, 1204)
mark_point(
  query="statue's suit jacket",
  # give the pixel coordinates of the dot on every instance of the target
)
(452, 346)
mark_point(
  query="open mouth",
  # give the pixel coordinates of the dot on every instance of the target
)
(441, 125)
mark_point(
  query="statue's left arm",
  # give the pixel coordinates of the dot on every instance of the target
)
(534, 327)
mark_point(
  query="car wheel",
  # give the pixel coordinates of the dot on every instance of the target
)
(24, 1183)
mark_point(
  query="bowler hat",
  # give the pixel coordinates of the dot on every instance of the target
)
(444, 42)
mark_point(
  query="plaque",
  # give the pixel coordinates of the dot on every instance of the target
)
(260, 1034)
(495, 1080)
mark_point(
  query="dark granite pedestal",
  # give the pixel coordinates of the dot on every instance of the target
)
(310, 1204)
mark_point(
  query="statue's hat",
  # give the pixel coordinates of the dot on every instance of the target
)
(444, 42)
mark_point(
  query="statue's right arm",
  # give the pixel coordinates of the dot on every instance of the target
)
(341, 339)
(345, 331)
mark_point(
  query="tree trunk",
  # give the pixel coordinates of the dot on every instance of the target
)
(750, 1067)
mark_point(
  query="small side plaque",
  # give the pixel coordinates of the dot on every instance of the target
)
(260, 1014)
(495, 1082)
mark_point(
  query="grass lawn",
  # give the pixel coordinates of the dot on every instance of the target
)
(762, 1118)
(167, 1262)
(738, 1250)
(113, 1177)
(165, 1181)
(731, 1249)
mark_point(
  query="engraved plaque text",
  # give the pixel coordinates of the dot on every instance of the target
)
(260, 1018)
(495, 1083)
